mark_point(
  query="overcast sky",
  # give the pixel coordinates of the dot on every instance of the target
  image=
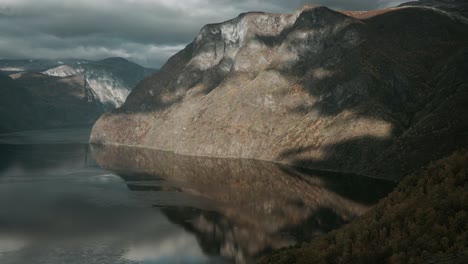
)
(145, 31)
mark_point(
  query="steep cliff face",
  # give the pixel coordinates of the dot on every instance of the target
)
(376, 93)
(37, 101)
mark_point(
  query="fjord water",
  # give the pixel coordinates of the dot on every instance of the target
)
(63, 201)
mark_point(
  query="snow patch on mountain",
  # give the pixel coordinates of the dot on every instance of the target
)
(61, 71)
(109, 90)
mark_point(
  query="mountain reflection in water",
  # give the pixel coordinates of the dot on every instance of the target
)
(249, 207)
(63, 201)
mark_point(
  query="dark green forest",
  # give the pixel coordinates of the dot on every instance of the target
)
(424, 220)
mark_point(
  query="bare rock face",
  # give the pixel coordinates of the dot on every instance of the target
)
(377, 93)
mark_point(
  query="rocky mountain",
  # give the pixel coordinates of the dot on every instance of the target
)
(51, 93)
(377, 93)
(111, 79)
(35, 101)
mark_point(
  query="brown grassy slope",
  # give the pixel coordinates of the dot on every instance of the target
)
(425, 220)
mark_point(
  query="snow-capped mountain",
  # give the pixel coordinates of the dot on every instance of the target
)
(39, 94)
(61, 71)
(32, 100)
(111, 79)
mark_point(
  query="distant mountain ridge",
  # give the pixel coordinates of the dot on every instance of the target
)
(37, 94)
(112, 79)
(31, 100)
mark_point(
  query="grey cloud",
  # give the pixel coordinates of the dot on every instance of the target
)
(145, 31)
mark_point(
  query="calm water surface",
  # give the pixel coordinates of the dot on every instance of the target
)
(63, 201)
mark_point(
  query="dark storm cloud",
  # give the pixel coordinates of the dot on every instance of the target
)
(145, 31)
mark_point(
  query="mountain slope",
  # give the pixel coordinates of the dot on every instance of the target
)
(37, 101)
(377, 93)
(424, 220)
(111, 79)
(67, 92)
